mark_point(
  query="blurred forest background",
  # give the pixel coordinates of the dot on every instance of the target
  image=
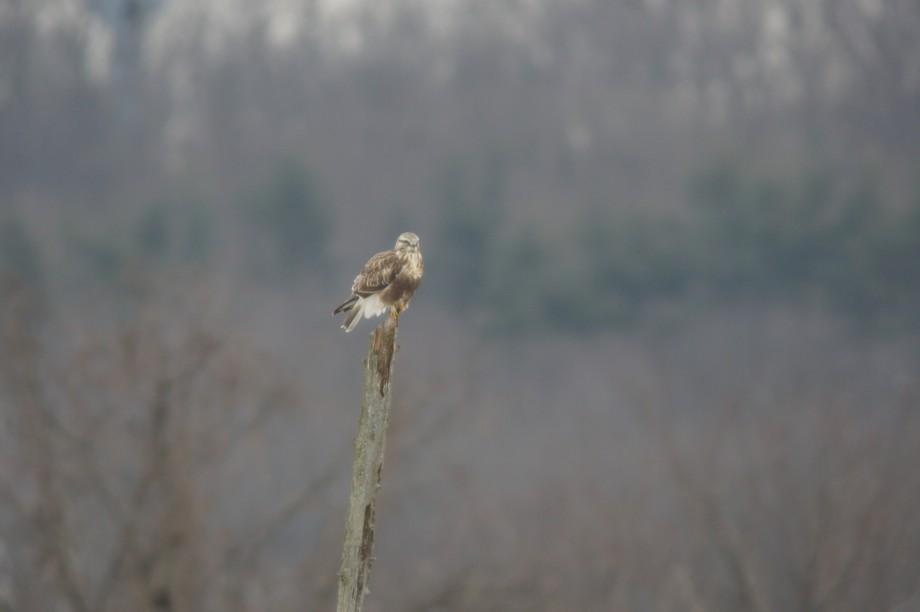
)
(665, 356)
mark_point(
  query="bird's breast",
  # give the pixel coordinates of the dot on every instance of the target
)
(412, 268)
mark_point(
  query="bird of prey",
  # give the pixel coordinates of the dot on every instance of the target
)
(387, 281)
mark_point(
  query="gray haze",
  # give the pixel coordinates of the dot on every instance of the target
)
(664, 357)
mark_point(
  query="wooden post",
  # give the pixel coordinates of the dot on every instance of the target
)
(370, 441)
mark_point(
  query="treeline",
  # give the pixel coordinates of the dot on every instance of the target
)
(812, 237)
(816, 237)
(279, 226)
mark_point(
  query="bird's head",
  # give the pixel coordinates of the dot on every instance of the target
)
(407, 243)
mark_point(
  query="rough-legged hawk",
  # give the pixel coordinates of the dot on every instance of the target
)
(387, 280)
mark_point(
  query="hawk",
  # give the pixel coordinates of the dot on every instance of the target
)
(387, 281)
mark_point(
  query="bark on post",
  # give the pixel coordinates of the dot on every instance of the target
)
(370, 441)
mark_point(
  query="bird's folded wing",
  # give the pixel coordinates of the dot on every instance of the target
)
(377, 274)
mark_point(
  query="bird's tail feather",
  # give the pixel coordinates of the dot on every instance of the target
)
(346, 305)
(354, 316)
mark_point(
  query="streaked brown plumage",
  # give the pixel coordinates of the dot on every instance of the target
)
(386, 282)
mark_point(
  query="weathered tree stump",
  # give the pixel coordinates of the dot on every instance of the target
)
(370, 441)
